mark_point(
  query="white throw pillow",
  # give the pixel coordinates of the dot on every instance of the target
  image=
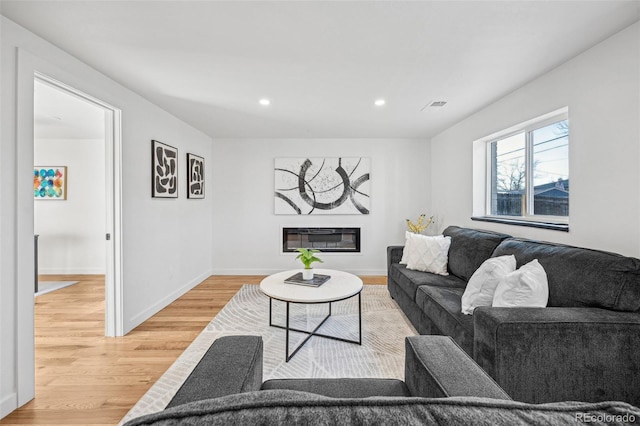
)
(526, 287)
(482, 284)
(429, 254)
(407, 248)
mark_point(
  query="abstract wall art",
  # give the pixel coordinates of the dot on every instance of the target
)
(50, 182)
(195, 176)
(322, 185)
(164, 166)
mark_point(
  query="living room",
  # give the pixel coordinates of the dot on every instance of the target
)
(170, 246)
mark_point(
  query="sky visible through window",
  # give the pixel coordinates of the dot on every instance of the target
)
(510, 163)
(550, 157)
(551, 153)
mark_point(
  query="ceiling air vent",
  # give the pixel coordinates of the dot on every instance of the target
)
(433, 104)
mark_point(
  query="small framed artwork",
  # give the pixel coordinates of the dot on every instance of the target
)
(195, 176)
(50, 182)
(164, 170)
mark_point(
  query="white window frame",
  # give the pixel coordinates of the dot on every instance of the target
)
(527, 128)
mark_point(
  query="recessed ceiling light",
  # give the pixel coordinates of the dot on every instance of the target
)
(380, 102)
(265, 102)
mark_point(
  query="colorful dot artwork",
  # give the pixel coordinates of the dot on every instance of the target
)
(49, 183)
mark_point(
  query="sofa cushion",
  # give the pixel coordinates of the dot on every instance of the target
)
(428, 254)
(291, 407)
(527, 288)
(342, 388)
(409, 280)
(580, 277)
(406, 248)
(482, 284)
(469, 248)
(443, 307)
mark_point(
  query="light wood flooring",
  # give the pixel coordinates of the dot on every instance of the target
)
(84, 378)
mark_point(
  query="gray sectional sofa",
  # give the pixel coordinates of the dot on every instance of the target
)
(442, 386)
(584, 346)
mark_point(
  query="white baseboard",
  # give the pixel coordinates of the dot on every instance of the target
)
(8, 404)
(222, 271)
(71, 271)
(138, 319)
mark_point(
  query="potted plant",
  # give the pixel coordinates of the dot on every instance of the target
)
(307, 257)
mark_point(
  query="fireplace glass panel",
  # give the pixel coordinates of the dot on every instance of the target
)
(345, 240)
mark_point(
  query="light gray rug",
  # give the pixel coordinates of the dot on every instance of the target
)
(384, 328)
(45, 287)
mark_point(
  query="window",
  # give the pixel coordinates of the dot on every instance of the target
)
(527, 170)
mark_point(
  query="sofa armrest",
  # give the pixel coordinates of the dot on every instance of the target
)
(435, 366)
(233, 364)
(557, 354)
(394, 255)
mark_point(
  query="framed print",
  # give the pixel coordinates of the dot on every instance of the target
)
(164, 170)
(50, 182)
(195, 176)
(306, 186)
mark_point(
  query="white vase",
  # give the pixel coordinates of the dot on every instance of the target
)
(307, 274)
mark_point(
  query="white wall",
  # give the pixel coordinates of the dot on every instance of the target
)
(167, 244)
(244, 218)
(602, 90)
(72, 232)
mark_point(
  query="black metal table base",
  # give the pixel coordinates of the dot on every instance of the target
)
(288, 328)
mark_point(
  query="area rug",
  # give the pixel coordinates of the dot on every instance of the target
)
(384, 328)
(45, 287)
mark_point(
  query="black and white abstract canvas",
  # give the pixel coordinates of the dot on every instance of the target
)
(322, 185)
(195, 176)
(164, 170)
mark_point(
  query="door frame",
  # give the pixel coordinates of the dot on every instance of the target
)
(113, 270)
(28, 67)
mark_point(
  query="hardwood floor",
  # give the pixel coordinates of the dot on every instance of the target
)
(85, 378)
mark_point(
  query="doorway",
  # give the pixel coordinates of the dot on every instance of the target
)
(69, 188)
(77, 221)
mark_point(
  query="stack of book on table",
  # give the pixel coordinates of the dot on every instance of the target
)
(316, 281)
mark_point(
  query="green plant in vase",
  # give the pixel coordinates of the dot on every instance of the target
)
(307, 257)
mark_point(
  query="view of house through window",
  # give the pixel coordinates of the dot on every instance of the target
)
(529, 171)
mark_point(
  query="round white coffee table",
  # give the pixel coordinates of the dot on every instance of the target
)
(341, 286)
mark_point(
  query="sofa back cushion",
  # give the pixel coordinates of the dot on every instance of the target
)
(469, 248)
(280, 407)
(581, 277)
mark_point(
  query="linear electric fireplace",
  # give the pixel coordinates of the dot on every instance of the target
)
(336, 240)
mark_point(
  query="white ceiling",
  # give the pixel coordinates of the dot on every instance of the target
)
(321, 63)
(60, 115)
